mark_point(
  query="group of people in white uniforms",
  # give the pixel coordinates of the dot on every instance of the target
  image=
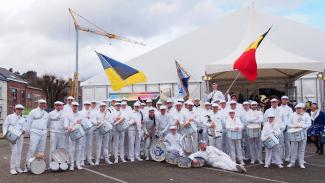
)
(183, 124)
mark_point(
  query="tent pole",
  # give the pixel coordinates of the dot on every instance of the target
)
(233, 82)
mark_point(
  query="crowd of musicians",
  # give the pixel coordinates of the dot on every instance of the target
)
(186, 126)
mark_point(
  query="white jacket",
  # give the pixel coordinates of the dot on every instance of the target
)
(254, 117)
(173, 141)
(231, 124)
(136, 121)
(210, 155)
(216, 95)
(191, 115)
(162, 123)
(71, 119)
(56, 121)
(278, 117)
(101, 117)
(38, 121)
(302, 119)
(286, 113)
(270, 128)
(14, 120)
(217, 118)
(88, 116)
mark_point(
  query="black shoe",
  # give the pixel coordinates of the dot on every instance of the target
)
(317, 151)
(321, 152)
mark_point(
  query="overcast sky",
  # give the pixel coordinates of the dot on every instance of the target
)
(39, 34)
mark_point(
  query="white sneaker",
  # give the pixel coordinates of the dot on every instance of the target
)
(25, 170)
(71, 168)
(97, 163)
(280, 166)
(252, 162)
(302, 166)
(108, 161)
(242, 163)
(82, 163)
(139, 159)
(116, 161)
(290, 165)
(19, 170)
(241, 168)
(123, 160)
(132, 160)
(260, 162)
(91, 163)
(13, 172)
(266, 166)
(79, 167)
(147, 158)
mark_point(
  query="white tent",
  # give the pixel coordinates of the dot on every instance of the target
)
(291, 49)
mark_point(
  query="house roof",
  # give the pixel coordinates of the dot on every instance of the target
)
(9, 76)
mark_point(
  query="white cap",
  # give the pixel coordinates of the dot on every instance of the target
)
(271, 114)
(75, 103)
(124, 103)
(144, 104)
(70, 98)
(181, 100)
(87, 103)
(215, 105)
(136, 104)
(285, 97)
(58, 103)
(125, 99)
(19, 106)
(178, 103)
(231, 111)
(102, 104)
(274, 100)
(202, 142)
(216, 101)
(41, 101)
(169, 100)
(151, 109)
(190, 103)
(196, 99)
(253, 103)
(246, 103)
(300, 105)
(207, 103)
(148, 100)
(158, 103)
(113, 99)
(233, 102)
(118, 100)
(93, 101)
(117, 103)
(163, 107)
(173, 127)
(222, 101)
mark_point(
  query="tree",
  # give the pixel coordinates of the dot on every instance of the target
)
(54, 88)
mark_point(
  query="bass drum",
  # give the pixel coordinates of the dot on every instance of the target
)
(184, 162)
(36, 166)
(158, 151)
(54, 166)
(200, 162)
(172, 157)
(64, 166)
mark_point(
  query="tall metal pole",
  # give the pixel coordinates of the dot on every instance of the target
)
(76, 74)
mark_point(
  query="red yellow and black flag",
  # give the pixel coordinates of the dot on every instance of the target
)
(246, 63)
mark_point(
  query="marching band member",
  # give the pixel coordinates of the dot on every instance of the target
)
(57, 130)
(93, 105)
(173, 141)
(203, 118)
(88, 119)
(125, 100)
(214, 124)
(111, 108)
(163, 121)
(271, 127)
(67, 108)
(102, 141)
(169, 105)
(19, 122)
(149, 105)
(197, 105)
(255, 144)
(299, 119)
(317, 128)
(215, 94)
(70, 121)
(191, 120)
(233, 123)
(149, 130)
(286, 114)
(245, 139)
(216, 158)
(178, 116)
(118, 117)
(135, 133)
(222, 110)
(37, 126)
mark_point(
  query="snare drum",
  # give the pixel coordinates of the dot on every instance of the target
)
(13, 134)
(77, 133)
(54, 166)
(172, 157)
(60, 155)
(254, 130)
(190, 129)
(87, 125)
(104, 128)
(234, 135)
(36, 166)
(64, 166)
(200, 162)
(296, 134)
(158, 151)
(184, 162)
(271, 141)
(122, 126)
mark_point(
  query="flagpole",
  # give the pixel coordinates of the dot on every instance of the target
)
(233, 82)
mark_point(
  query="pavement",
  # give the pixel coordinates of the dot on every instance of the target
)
(150, 171)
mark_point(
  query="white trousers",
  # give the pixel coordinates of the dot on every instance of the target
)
(36, 142)
(298, 151)
(118, 144)
(235, 150)
(287, 147)
(225, 143)
(87, 145)
(224, 162)
(216, 142)
(57, 140)
(245, 145)
(147, 145)
(102, 145)
(281, 146)
(134, 141)
(16, 153)
(74, 151)
(255, 149)
(273, 155)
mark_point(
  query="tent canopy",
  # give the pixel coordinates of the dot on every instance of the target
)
(291, 49)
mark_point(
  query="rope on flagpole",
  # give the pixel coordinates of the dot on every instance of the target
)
(233, 82)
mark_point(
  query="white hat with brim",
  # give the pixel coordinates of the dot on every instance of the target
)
(173, 127)
(207, 103)
(70, 98)
(215, 105)
(102, 104)
(19, 106)
(58, 103)
(151, 109)
(190, 103)
(300, 105)
(254, 103)
(148, 100)
(178, 103)
(124, 103)
(274, 100)
(41, 101)
(136, 104)
(87, 103)
(231, 111)
(233, 102)
(75, 104)
(246, 103)
(118, 103)
(222, 101)
(163, 107)
(285, 97)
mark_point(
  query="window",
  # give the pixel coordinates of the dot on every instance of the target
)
(14, 93)
(36, 97)
(28, 96)
(23, 94)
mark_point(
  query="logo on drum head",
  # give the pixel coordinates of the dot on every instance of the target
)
(158, 151)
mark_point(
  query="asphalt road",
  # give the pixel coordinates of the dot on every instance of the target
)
(150, 171)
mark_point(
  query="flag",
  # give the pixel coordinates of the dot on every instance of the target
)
(119, 74)
(246, 63)
(183, 78)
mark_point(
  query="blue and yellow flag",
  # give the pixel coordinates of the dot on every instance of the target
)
(183, 78)
(119, 74)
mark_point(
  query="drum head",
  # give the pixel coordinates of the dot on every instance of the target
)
(158, 151)
(200, 162)
(54, 166)
(60, 155)
(172, 157)
(37, 166)
(184, 162)
(64, 166)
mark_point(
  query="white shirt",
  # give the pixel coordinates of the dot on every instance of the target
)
(286, 113)
(270, 128)
(56, 121)
(88, 116)
(218, 120)
(191, 115)
(231, 124)
(300, 119)
(278, 117)
(101, 117)
(216, 95)
(71, 119)
(121, 113)
(67, 109)
(173, 141)
(149, 125)
(136, 121)
(254, 117)
(14, 120)
(38, 121)
(162, 123)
